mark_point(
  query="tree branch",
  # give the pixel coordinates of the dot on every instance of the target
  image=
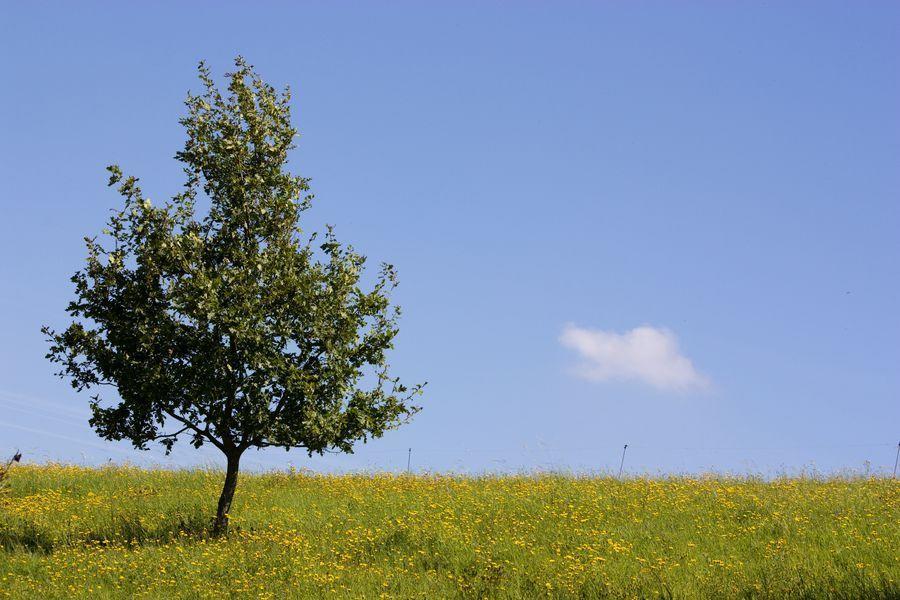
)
(204, 432)
(170, 435)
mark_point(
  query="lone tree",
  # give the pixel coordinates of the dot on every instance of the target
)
(231, 325)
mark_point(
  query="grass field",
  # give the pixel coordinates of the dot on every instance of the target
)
(125, 532)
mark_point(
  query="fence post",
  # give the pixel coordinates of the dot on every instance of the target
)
(622, 464)
(896, 460)
(408, 459)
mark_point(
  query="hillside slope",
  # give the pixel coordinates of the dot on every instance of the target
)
(69, 531)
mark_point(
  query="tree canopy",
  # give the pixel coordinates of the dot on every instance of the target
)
(231, 325)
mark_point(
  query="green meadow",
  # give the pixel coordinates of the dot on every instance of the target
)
(123, 532)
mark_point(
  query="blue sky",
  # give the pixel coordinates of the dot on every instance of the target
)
(672, 226)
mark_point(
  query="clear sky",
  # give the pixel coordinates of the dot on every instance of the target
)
(672, 225)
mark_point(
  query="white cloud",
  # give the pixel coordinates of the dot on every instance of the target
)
(645, 353)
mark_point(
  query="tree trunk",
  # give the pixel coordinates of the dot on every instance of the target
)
(220, 525)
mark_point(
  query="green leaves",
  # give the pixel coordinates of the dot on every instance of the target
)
(228, 326)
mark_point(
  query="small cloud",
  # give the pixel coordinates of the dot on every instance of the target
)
(645, 354)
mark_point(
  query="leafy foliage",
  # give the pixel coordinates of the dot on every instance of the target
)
(232, 327)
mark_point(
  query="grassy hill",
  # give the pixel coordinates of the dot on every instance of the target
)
(69, 531)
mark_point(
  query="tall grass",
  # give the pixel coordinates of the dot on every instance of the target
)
(69, 531)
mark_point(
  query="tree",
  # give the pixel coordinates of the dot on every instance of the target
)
(232, 327)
